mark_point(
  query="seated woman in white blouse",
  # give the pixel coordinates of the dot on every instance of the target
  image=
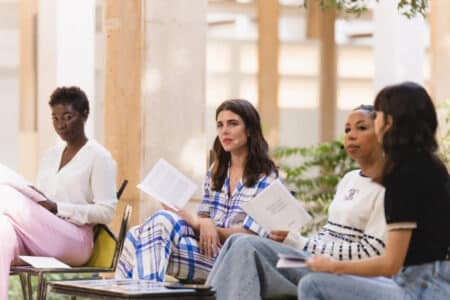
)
(78, 180)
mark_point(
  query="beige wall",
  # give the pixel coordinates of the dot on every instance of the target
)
(9, 83)
(231, 72)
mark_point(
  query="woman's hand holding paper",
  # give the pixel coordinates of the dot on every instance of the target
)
(278, 235)
(320, 263)
(49, 205)
(185, 215)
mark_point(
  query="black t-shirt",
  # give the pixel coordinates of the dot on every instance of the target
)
(418, 196)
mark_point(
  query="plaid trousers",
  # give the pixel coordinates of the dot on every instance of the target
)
(164, 244)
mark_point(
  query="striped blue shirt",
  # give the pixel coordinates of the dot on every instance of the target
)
(166, 244)
(226, 210)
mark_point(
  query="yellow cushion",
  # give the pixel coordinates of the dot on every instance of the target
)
(104, 248)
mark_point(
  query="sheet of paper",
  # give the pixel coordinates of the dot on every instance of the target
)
(276, 209)
(12, 178)
(168, 185)
(8, 175)
(291, 261)
(286, 264)
(44, 262)
(30, 191)
(299, 258)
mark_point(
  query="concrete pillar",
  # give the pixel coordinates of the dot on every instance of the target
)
(9, 83)
(399, 46)
(174, 88)
(66, 33)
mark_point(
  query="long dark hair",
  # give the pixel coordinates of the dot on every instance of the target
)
(414, 123)
(258, 159)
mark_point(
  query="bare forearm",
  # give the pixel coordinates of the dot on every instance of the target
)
(376, 266)
(224, 233)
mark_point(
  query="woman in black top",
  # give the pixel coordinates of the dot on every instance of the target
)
(417, 208)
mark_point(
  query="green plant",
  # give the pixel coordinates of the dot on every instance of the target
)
(443, 111)
(408, 8)
(15, 290)
(312, 173)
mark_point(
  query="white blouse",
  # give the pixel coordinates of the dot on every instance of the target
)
(85, 188)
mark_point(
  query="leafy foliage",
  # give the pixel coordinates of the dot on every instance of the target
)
(14, 290)
(408, 8)
(411, 8)
(444, 131)
(315, 178)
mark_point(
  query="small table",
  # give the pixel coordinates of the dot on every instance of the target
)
(126, 289)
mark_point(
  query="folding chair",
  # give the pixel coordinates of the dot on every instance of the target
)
(104, 257)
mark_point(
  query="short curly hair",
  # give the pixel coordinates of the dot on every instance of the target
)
(70, 95)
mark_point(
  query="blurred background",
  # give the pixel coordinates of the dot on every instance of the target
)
(155, 70)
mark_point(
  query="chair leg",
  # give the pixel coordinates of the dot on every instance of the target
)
(23, 285)
(30, 287)
(44, 289)
(40, 286)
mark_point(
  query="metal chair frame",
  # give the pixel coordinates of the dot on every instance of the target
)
(26, 273)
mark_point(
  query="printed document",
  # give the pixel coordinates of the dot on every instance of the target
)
(8, 175)
(291, 261)
(44, 262)
(168, 185)
(18, 182)
(276, 209)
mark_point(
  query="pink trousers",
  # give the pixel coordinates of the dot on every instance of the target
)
(26, 228)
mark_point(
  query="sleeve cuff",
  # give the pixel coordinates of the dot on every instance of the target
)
(64, 210)
(401, 225)
(251, 225)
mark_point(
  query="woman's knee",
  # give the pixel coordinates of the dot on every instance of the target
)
(235, 237)
(308, 284)
(241, 242)
(8, 237)
(13, 202)
(162, 220)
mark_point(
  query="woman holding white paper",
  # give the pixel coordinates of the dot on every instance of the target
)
(185, 246)
(417, 208)
(246, 267)
(78, 180)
